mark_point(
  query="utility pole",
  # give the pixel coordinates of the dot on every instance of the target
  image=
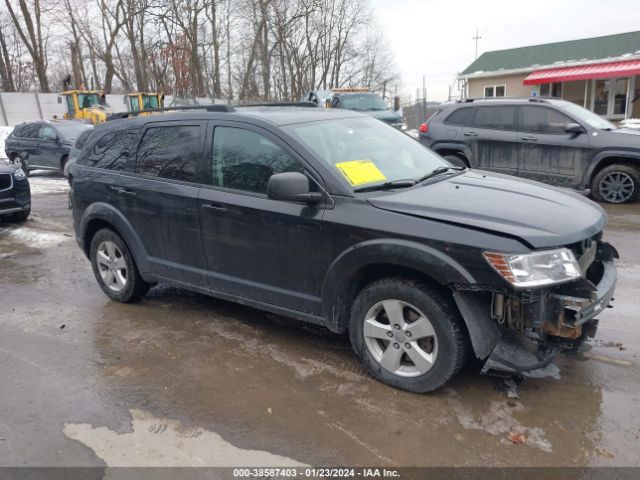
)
(476, 38)
(424, 97)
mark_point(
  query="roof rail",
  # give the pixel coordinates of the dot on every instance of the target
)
(531, 99)
(304, 104)
(208, 108)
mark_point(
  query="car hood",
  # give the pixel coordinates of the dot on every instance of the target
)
(387, 116)
(537, 214)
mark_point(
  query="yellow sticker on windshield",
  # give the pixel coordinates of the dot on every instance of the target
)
(359, 172)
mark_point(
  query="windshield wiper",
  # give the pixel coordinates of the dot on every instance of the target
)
(439, 171)
(404, 183)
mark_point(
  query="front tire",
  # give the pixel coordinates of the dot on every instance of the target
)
(408, 334)
(115, 269)
(616, 184)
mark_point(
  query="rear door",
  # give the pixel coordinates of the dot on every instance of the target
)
(262, 249)
(546, 152)
(159, 196)
(27, 142)
(493, 138)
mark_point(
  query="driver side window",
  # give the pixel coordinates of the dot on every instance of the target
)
(245, 160)
(47, 133)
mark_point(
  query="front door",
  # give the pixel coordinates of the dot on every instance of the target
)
(262, 249)
(48, 149)
(159, 196)
(547, 153)
(493, 139)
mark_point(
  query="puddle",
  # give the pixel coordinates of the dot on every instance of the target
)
(160, 442)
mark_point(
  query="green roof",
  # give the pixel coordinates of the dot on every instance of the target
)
(610, 46)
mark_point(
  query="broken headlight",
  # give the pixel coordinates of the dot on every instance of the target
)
(535, 269)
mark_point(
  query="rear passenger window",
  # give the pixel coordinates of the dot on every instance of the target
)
(462, 116)
(111, 150)
(543, 120)
(244, 160)
(29, 130)
(500, 118)
(170, 152)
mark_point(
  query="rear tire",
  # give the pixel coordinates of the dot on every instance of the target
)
(63, 163)
(115, 269)
(616, 184)
(408, 334)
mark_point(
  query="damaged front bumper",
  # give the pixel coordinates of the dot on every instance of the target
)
(521, 332)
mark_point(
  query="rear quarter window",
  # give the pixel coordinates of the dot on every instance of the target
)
(82, 139)
(110, 150)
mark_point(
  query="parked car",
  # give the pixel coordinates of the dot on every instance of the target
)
(549, 140)
(15, 194)
(75, 149)
(359, 100)
(42, 144)
(334, 218)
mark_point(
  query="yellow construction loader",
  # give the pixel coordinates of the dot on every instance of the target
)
(138, 101)
(87, 105)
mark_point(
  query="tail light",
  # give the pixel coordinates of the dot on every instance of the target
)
(424, 128)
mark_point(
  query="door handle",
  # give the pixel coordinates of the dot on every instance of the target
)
(529, 139)
(123, 191)
(214, 207)
(470, 134)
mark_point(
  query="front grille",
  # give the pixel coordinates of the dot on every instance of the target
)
(5, 181)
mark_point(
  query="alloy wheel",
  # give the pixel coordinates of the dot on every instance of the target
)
(616, 187)
(112, 266)
(400, 338)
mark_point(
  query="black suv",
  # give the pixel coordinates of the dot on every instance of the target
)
(544, 139)
(15, 194)
(42, 144)
(334, 218)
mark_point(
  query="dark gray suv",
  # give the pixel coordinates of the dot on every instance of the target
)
(332, 217)
(543, 139)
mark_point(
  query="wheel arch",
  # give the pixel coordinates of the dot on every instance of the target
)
(369, 261)
(453, 149)
(102, 215)
(611, 157)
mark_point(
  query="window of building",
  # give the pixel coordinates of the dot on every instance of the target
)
(610, 96)
(500, 118)
(543, 120)
(245, 160)
(111, 150)
(462, 116)
(495, 90)
(551, 89)
(171, 151)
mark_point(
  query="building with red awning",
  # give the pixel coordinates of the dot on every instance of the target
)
(600, 73)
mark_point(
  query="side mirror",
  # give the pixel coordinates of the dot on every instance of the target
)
(292, 187)
(396, 103)
(575, 128)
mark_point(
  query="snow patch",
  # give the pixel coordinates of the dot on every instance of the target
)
(31, 237)
(44, 185)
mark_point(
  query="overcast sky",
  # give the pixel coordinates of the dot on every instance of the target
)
(434, 38)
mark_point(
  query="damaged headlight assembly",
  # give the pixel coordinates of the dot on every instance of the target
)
(535, 269)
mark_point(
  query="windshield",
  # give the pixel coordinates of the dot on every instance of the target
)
(71, 130)
(365, 151)
(87, 100)
(365, 101)
(590, 118)
(149, 101)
